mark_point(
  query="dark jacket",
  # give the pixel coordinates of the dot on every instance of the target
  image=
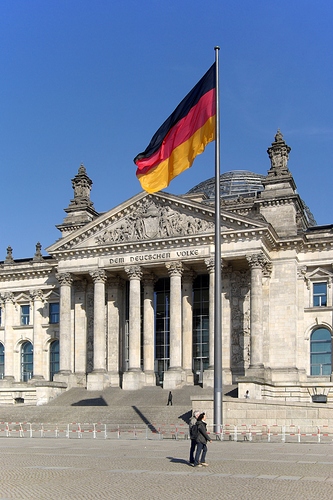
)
(193, 422)
(203, 437)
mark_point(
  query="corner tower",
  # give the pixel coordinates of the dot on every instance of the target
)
(279, 202)
(81, 210)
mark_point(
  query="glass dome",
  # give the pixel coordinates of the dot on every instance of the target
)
(232, 185)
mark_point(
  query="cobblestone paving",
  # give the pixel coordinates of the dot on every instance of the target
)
(79, 469)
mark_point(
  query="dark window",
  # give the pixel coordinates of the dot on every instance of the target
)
(25, 315)
(2, 361)
(26, 361)
(200, 327)
(54, 358)
(321, 352)
(162, 327)
(54, 312)
(319, 294)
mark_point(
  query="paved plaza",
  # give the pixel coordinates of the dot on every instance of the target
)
(78, 469)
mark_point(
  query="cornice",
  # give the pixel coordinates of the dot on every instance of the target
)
(18, 273)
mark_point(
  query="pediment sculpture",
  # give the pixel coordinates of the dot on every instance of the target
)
(151, 221)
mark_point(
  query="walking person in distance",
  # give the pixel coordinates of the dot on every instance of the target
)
(202, 438)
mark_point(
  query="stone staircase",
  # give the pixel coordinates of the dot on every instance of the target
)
(111, 406)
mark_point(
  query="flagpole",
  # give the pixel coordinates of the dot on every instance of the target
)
(217, 295)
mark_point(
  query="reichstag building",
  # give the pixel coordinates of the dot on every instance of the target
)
(126, 298)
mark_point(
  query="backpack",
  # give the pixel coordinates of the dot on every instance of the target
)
(194, 431)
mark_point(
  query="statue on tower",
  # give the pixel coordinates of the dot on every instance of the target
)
(279, 155)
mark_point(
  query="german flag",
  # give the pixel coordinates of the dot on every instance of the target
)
(182, 137)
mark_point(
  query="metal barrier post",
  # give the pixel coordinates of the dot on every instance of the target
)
(283, 436)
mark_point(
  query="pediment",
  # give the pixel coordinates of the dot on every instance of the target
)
(151, 217)
(319, 273)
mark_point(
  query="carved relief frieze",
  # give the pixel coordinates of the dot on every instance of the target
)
(153, 221)
(240, 319)
(90, 328)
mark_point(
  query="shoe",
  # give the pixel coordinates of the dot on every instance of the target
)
(204, 464)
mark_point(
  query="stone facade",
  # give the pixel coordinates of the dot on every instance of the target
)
(126, 298)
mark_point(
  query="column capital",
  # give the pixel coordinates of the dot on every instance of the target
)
(210, 264)
(134, 272)
(259, 261)
(36, 295)
(99, 276)
(8, 297)
(175, 268)
(64, 278)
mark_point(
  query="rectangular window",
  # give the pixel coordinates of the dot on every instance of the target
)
(0, 316)
(54, 312)
(25, 315)
(319, 294)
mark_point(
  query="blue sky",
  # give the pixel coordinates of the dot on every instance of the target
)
(91, 81)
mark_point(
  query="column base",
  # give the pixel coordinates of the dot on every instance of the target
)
(256, 371)
(36, 378)
(208, 378)
(133, 380)
(71, 379)
(150, 378)
(174, 378)
(7, 380)
(113, 379)
(62, 376)
(189, 377)
(97, 381)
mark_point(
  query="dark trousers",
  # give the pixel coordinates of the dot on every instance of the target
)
(192, 450)
(201, 450)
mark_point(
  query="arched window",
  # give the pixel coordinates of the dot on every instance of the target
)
(321, 352)
(2, 361)
(26, 361)
(54, 358)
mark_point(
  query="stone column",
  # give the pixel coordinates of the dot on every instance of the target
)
(115, 285)
(187, 347)
(175, 376)
(256, 262)
(208, 377)
(8, 299)
(36, 297)
(148, 329)
(134, 377)
(65, 361)
(80, 329)
(96, 379)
